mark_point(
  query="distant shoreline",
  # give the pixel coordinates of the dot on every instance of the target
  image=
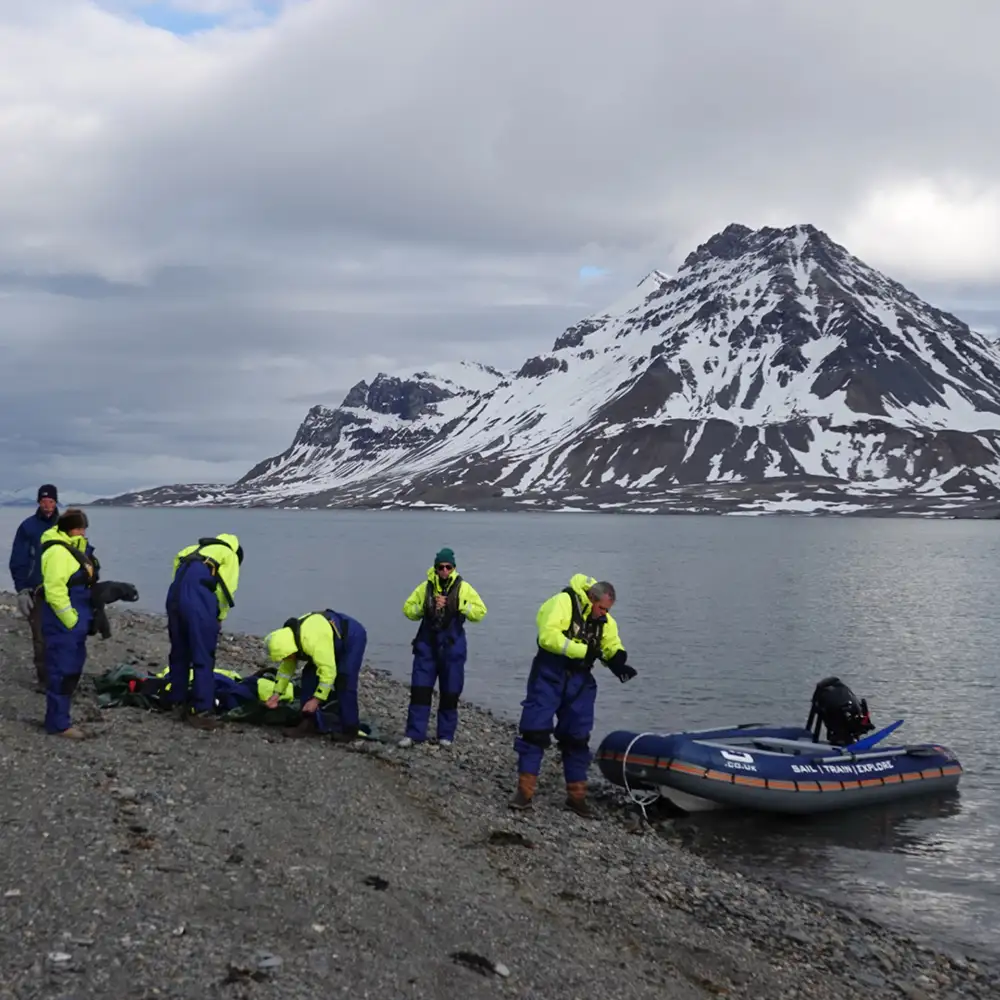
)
(901, 507)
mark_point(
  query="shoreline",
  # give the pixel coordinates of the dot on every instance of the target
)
(942, 509)
(157, 857)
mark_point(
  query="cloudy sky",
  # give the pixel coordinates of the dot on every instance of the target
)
(215, 213)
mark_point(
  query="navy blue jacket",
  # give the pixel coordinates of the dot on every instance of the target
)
(25, 563)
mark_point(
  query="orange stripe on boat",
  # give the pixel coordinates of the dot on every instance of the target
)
(719, 776)
(743, 779)
(830, 786)
(694, 769)
(931, 772)
(781, 786)
(951, 769)
(808, 786)
(892, 779)
(647, 761)
(913, 776)
(868, 782)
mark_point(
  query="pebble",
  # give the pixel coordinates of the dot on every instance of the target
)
(565, 901)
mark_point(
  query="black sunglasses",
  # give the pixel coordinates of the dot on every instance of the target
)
(445, 566)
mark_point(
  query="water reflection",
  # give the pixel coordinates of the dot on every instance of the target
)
(780, 841)
(852, 858)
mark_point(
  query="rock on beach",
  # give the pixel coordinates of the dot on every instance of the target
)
(154, 860)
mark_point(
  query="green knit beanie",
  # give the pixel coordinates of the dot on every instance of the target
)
(445, 556)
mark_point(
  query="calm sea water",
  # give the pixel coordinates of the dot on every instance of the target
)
(726, 620)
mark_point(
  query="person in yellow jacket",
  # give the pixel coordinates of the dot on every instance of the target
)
(441, 604)
(332, 646)
(575, 630)
(68, 576)
(200, 596)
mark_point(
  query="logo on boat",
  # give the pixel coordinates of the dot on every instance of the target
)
(739, 759)
(866, 768)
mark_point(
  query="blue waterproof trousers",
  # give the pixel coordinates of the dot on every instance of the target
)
(193, 626)
(437, 656)
(65, 656)
(559, 701)
(350, 657)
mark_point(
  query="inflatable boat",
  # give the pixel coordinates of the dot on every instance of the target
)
(784, 769)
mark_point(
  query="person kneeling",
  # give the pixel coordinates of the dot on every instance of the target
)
(332, 646)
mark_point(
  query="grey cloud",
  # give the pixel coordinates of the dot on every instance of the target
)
(501, 124)
(199, 239)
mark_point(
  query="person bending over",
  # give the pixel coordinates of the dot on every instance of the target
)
(332, 647)
(575, 630)
(200, 596)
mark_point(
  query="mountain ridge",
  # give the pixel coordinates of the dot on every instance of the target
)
(774, 371)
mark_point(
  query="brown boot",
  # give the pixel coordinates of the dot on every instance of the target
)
(202, 720)
(576, 799)
(73, 734)
(521, 799)
(306, 727)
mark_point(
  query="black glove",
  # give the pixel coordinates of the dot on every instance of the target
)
(620, 668)
(593, 652)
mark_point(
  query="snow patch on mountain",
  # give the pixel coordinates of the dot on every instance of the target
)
(772, 358)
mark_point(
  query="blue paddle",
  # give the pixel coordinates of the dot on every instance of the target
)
(869, 741)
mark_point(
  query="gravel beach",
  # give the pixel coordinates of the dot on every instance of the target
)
(155, 860)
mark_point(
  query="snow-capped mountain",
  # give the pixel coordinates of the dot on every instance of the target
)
(774, 371)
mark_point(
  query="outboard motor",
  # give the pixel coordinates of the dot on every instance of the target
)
(835, 706)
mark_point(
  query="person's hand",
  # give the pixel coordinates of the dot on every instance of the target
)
(25, 602)
(272, 702)
(311, 705)
(440, 601)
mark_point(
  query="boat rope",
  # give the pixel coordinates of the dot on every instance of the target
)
(648, 796)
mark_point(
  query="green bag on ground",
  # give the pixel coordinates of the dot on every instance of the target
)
(113, 687)
(123, 686)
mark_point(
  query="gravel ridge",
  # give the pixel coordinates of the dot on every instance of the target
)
(154, 860)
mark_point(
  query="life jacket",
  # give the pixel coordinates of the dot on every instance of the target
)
(440, 618)
(295, 624)
(86, 575)
(589, 630)
(211, 564)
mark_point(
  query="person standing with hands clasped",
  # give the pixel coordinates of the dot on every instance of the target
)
(442, 605)
(26, 570)
(575, 630)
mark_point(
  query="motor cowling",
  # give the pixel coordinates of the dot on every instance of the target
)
(840, 711)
